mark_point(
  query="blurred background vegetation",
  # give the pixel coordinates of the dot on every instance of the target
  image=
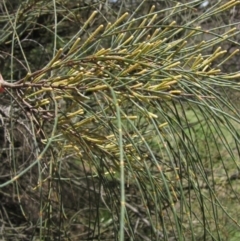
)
(119, 120)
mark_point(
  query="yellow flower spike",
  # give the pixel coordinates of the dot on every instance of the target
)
(177, 50)
(171, 45)
(198, 46)
(168, 47)
(162, 86)
(76, 78)
(78, 112)
(198, 60)
(152, 9)
(182, 45)
(98, 87)
(155, 33)
(59, 97)
(142, 72)
(139, 53)
(77, 149)
(129, 26)
(217, 50)
(128, 40)
(63, 82)
(218, 54)
(57, 56)
(120, 37)
(230, 31)
(167, 28)
(166, 80)
(140, 46)
(193, 32)
(70, 147)
(152, 20)
(56, 79)
(228, 57)
(175, 8)
(153, 87)
(148, 38)
(43, 102)
(151, 115)
(147, 48)
(110, 146)
(108, 26)
(70, 73)
(175, 92)
(235, 76)
(188, 61)
(93, 15)
(43, 90)
(74, 46)
(119, 20)
(205, 68)
(88, 73)
(136, 86)
(27, 77)
(46, 89)
(128, 146)
(228, 5)
(84, 122)
(90, 38)
(158, 42)
(169, 83)
(134, 54)
(123, 51)
(142, 24)
(130, 69)
(97, 141)
(162, 125)
(36, 80)
(57, 63)
(214, 71)
(110, 137)
(209, 60)
(70, 79)
(172, 65)
(130, 117)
